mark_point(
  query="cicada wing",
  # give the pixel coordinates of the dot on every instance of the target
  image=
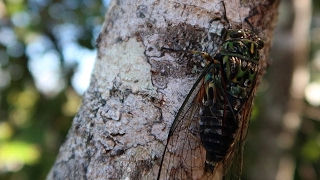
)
(184, 155)
(234, 161)
(234, 168)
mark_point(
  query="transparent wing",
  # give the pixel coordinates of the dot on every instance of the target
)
(233, 163)
(184, 155)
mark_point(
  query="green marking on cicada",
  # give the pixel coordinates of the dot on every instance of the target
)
(240, 59)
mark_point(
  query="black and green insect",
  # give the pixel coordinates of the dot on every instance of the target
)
(209, 130)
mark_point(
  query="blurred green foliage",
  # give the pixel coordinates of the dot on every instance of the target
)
(35, 116)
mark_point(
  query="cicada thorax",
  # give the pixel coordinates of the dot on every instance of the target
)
(239, 57)
(228, 85)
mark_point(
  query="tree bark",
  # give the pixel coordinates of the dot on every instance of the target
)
(136, 89)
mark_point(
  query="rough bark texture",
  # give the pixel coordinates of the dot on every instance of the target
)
(136, 90)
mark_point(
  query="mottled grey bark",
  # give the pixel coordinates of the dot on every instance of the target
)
(136, 90)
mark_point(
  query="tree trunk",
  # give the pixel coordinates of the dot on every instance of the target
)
(136, 89)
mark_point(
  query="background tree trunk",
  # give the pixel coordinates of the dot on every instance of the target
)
(282, 111)
(136, 90)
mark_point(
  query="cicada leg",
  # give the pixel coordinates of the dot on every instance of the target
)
(205, 55)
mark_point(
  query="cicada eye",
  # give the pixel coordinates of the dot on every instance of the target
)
(236, 34)
(260, 44)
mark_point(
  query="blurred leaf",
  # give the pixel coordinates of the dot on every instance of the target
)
(13, 155)
(311, 150)
(6, 131)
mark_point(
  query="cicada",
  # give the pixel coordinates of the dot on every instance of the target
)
(209, 129)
